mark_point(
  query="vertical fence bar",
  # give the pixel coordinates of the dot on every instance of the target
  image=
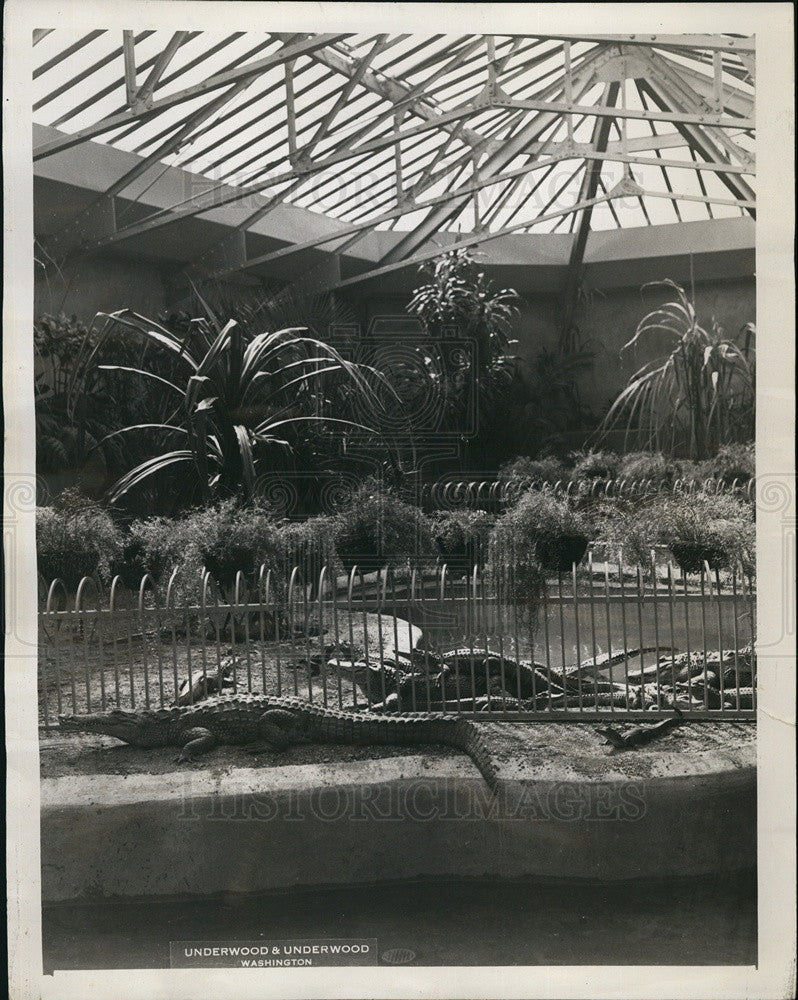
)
(322, 644)
(721, 665)
(623, 628)
(247, 644)
(170, 611)
(747, 582)
(500, 599)
(592, 602)
(292, 627)
(336, 636)
(218, 633)
(56, 645)
(204, 627)
(369, 696)
(513, 596)
(655, 599)
(80, 613)
(671, 616)
(144, 641)
(262, 631)
(473, 592)
(489, 624)
(736, 640)
(547, 639)
(640, 598)
(704, 631)
(351, 626)
(395, 636)
(411, 597)
(563, 663)
(578, 639)
(687, 642)
(381, 651)
(608, 611)
(306, 628)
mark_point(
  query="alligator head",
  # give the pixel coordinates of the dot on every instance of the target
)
(130, 726)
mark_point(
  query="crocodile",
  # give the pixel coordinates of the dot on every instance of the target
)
(244, 720)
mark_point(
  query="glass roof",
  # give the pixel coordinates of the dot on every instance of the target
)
(466, 134)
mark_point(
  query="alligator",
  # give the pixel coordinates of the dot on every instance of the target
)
(247, 720)
(640, 735)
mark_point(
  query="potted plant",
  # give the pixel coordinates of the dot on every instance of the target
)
(540, 528)
(461, 536)
(716, 530)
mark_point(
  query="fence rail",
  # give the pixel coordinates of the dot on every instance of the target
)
(599, 641)
(495, 495)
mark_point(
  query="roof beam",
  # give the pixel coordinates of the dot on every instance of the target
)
(492, 168)
(710, 42)
(248, 71)
(700, 141)
(144, 95)
(708, 118)
(473, 239)
(601, 134)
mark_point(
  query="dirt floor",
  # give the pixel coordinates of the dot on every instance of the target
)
(520, 749)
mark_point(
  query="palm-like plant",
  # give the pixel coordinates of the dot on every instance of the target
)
(701, 395)
(458, 297)
(241, 401)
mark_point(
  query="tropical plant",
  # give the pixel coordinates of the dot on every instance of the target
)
(458, 302)
(242, 402)
(718, 530)
(75, 538)
(80, 402)
(540, 531)
(523, 470)
(647, 465)
(592, 466)
(462, 536)
(459, 298)
(377, 528)
(732, 462)
(699, 396)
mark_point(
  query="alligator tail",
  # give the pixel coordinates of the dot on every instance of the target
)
(468, 738)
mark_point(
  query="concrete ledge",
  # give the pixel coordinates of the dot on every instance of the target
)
(261, 829)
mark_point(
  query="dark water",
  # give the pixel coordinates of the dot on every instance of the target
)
(696, 922)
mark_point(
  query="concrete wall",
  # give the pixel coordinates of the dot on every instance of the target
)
(607, 320)
(103, 284)
(610, 319)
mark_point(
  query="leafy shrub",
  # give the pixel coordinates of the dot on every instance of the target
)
(310, 545)
(592, 465)
(698, 527)
(733, 461)
(533, 470)
(715, 529)
(654, 466)
(539, 532)
(378, 528)
(462, 536)
(151, 546)
(241, 539)
(75, 538)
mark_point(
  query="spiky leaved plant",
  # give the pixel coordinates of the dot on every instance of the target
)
(241, 401)
(699, 396)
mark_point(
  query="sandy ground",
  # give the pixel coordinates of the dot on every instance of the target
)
(520, 749)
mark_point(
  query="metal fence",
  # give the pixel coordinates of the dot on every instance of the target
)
(496, 495)
(600, 640)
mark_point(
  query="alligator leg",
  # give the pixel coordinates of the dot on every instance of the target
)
(279, 729)
(198, 740)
